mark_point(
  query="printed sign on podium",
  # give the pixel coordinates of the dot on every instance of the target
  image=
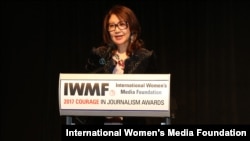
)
(146, 95)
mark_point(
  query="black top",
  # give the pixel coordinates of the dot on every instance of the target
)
(141, 61)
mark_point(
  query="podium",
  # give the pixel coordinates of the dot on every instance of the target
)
(126, 95)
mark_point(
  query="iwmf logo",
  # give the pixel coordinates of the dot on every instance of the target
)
(85, 89)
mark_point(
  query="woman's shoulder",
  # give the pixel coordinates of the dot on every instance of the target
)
(143, 52)
(100, 50)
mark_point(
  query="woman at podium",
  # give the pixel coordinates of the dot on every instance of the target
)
(122, 52)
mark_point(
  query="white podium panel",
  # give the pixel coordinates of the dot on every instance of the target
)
(146, 95)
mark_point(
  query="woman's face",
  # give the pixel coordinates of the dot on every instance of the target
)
(119, 31)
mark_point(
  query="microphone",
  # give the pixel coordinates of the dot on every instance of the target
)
(103, 60)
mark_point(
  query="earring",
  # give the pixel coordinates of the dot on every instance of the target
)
(131, 38)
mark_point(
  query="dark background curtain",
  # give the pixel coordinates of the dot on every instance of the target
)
(203, 44)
